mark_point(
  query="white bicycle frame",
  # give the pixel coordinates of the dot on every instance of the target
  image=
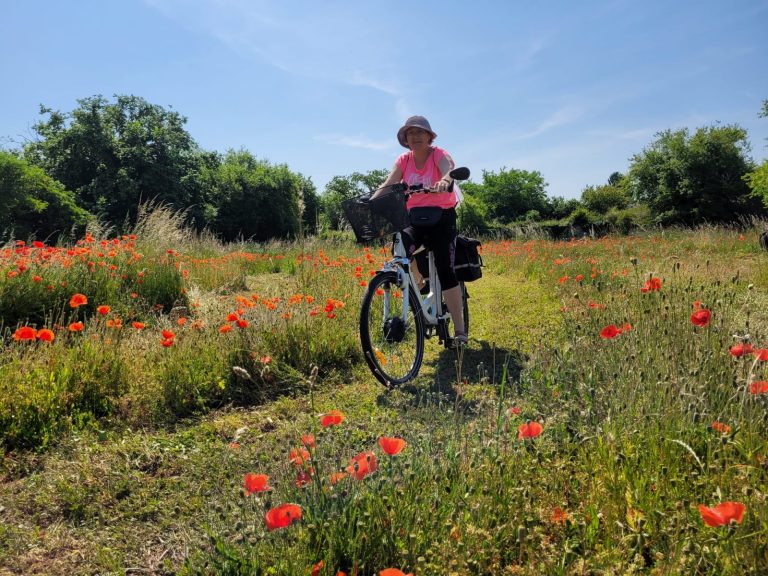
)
(432, 303)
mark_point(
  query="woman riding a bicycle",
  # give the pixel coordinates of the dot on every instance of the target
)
(429, 166)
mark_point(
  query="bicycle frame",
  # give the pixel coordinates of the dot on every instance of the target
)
(432, 303)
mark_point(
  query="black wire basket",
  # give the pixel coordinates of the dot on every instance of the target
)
(375, 218)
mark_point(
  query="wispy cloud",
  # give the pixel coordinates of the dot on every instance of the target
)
(359, 78)
(354, 141)
(312, 44)
(389, 87)
(526, 57)
(561, 117)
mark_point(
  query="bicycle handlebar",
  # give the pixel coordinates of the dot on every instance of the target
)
(461, 173)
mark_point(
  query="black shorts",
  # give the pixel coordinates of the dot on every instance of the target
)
(441, 239)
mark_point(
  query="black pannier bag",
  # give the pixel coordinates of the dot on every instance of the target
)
(468, 263)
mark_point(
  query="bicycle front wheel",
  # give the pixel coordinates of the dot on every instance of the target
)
(393, 342)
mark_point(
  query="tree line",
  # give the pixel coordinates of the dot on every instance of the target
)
(105, 158)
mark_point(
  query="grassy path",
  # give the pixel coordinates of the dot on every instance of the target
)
(136, 501)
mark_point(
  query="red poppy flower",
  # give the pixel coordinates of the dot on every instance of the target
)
(308, 440)
(25, 333)
(514, 411)
(529, 430)
(336, 476)
(609, 331)
(168, 335)
(332, 418)
(393, 572)
(761, 354)
(701, 317)
(232, 317)
(304, 477)
(282, 516)
(181, 321)
(138, 325)
(78, 300)
(316, 568)
(740, 349)
(103, 310)
(37, 278)
(362, 465)
(265, 359)
(392, 446)
(166, 342)
(45, 335)
(225, 328)
(758, 387)
(722, 514)
(256, 483)
(242, 323)
(299, 456)
(652, 285)
(720, 427)
(559, 516)
(76, 327)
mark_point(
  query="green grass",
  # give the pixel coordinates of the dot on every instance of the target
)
(150, 480)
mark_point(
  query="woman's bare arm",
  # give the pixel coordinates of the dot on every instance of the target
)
(394, 177)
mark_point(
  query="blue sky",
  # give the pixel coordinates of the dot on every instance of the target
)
(571, 89)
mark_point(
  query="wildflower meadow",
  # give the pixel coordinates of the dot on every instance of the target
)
(174, 405)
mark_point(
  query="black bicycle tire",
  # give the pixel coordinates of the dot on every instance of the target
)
(369, 349)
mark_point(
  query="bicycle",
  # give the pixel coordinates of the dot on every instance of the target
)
(395, 318)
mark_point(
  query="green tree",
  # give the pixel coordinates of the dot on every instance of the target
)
(342, 188)
(757, 180)
(32, 204)
(310, 204)
(694, 179)
(559, 207)
(472, 216)
(115, 155)
(601, 199)
(615, 178)
(510, 194)
(256, 199)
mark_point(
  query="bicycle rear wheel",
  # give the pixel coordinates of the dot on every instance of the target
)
(393, 344)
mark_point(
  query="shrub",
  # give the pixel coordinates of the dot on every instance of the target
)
(628, 219)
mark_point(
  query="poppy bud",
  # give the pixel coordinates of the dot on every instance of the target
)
(521, 533)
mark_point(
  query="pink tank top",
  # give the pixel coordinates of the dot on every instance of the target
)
(427, 176)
